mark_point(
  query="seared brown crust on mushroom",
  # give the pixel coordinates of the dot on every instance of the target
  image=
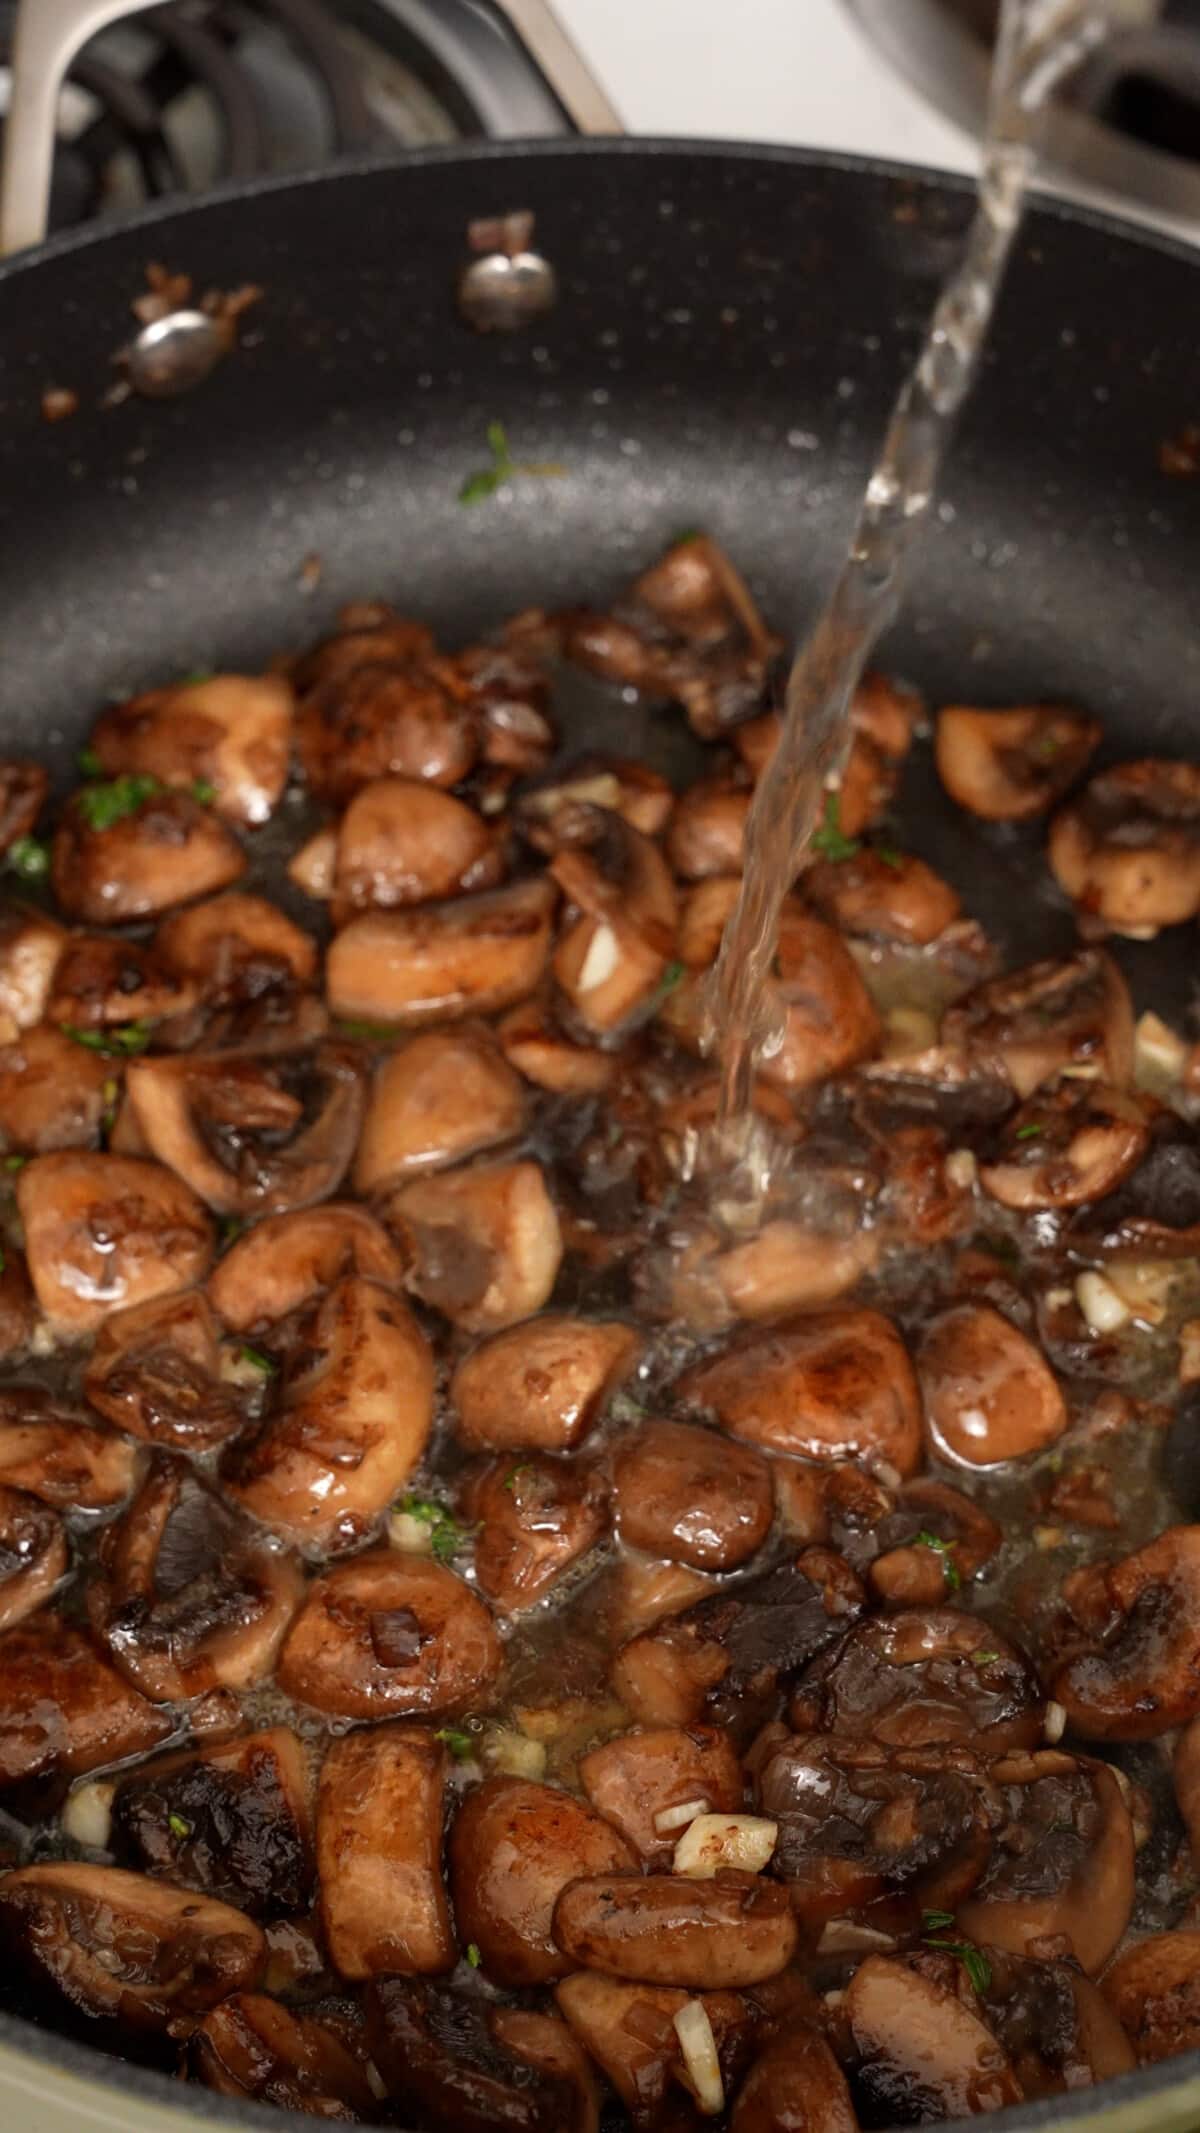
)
(63, 1709)
(1009, 766)
(1127, 851)
(833, 1385)
(380, 1810)
(104, 1232)
(389, 1636)
(168, 850)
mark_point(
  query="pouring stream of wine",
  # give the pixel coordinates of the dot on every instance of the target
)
(1039, 41)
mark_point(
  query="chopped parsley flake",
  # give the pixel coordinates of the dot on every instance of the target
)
(945, 1549)
(473, 1955)
(178, 1826)
(29, 857)
(1029, 1133)
(15, 1162)
(446, 1537)
(89, 763)
(258, 1361)
(122, 1041)
(485, 481)
(103, 805)
(985, 1658)
(459, 1744)
(204, 791)
(830, 840)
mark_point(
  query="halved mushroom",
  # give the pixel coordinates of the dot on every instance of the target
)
(33, 1555)
(236, 947)
(379, 1853)
(57, 1455)
(102, 981)
(230, 731)
(536, 1517)
(389, 1636)
(253, 2046)
(541, 1385)
(103, 1232)
(920, 2053)
(629, 2030)
(622, 916)
(233, 1820)
(1154, 1990)
(1127, 852)
(155, 1371)
(286, 1260)
(53, 1093)
(252, 1133)
(533, 1043)
(631, 789)
(689, 1495)
(118, 1945)
(989, 1393)
(796, 2083)
(444, 2054)
(707, 833)
(865, 1828)
(387, 717)
(185, 1597)
(830, 1022)
(643, 1591)
(1141, 1617)
(883, 895)
(1154, 1213)
(1056, 2026)
(442, 1096)
(30, 945)
(722, 1659)
(670, 1929)
(442, 961)
(509, 692)
(63, 1710)
(1008, 766)
(640, 1780)
(833, 1385)
(1070, 1144)
(1061, 1862)
(165, 849)
(514, 1847)
(369, 631)
(352, 1422)
(931, 1542)
(787, 1266)
(1052, 1018)
(484, 1243)
(918, 1678)
(545, 2042)
(23, 789)
(403, 841)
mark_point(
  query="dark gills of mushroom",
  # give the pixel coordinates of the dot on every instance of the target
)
(252, 1134)
(920, 1677)
(185, 1595)
(33, 1555)
(389, 1636)
(1008, 766)
(1056, 2026)
(120, 1946)
(1050, 1019)
(1138, 1672)
(233, 1820)
(438, 2050)
(63, 1709)
(918, 2052)
(514, 1847)
(1061, 1862)
(251, 2045)
(155, 1372)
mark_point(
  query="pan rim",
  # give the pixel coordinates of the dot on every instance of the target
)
(38, 2049)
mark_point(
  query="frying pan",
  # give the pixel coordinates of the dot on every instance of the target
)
(729, 331)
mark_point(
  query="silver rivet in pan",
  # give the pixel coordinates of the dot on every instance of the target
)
(175, 353)
(499, 292)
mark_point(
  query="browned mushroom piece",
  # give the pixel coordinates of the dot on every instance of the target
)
(833, 1385)
(723, 1658)
(33, 1555)
(369, 631)
(121, 1946)
(30, 946)
(484, 1243)
(536, 1517)
(919, 2053)
(443, 961)
(379, 1853)
(629, 2030)
(668, 1929)
(621, 920)
(56, 1454)
(1052, 1018)
(546, 2044)
(830, 1022)
(509, 691)
(616, 651)
(631, 789)
(54, 1093)
(1061, 1862)
(444, 2054)
(697, 593)
(351, 1424)
(514, 1847)
(228, 731)
(185, 1596)
(389, 1636)
(1186, 1770)
(233, 1820)
(796, 2083)
(384, 716)
(155, 1371)
(690, 1496)
(989, 1393)
(533, 1043)
(1068, 1145)
(1154, 1991)
(402, 841)
(287, 1260)
(63, 1710)
(919, 1678)
(1009, 766)
(871, 1829)
(253, 2046)
(104, 1232)
(18, 1312)
(1058, 2029)
(540, 1386)
(707, 833)
(933, 1541)
(442, 1096)
(1127, 851)
(168, 849)
(235, 948)
(102, 981)
(23, 789)
(883, 895)
(1139, 1671)
(637, 1777)
(1154, 1213)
